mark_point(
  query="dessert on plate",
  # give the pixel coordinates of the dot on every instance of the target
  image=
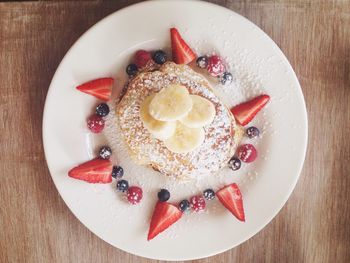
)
(173, 121)
(193, 132)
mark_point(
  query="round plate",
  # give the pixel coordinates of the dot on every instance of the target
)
(259, 67)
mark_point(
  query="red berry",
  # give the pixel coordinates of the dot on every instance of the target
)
(197, 203)
(247, 153)
(96, 123)
(216, 66)
(142, 57)
(134, 195)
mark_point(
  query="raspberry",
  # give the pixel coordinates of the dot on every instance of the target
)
(95, 123)
(141, 58)
(134, 195)
(247, 153)
(197, 203)
(215, 66)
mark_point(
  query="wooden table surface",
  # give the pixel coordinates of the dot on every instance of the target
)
(36, 225)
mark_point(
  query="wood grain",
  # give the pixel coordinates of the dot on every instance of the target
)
(36, 226)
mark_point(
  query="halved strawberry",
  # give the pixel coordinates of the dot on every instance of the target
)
(164, 215)
(246, 111)
(182, 53)
(94, 171)
(100, 88)
(230, 196)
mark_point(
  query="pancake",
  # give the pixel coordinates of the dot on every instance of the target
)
(221, 136)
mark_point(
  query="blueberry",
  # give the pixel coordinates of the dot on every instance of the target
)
(117, 172)
(184, 205)
(252, 132)
(226, 78)
(202, 62)
(122, 185)
(209, 194)
(159, 57)
(163, 195)
(102, 110)
(105, 152)
(131, 69)
(234, 163)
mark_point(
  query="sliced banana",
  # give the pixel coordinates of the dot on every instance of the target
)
(159, 129)
(171, 103)
(185, 139)
(201, 114)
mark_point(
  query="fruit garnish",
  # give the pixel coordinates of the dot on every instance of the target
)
(159, 57)
(185, 139)
(131, 69)
(197, 203)
(105, 152)
(246, 111)
(159, 129)
(226, 78)
(163, 195)
(117, 171)
(171, 103)
(209, 194)
(202, 113)
(230, 196)
(215, 66)
(142, 57)
(202, 62)
(134, 195)
(234, 163)
(184, 205)
(102, 109)
(247, 153)
(182, 53)
(100, 88)
(122, 185)
(94, 171)
(96, 123)
(252, 132)
(164, 215)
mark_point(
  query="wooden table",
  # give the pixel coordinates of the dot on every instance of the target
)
(36, 225)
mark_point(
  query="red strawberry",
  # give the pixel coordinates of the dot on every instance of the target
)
(94, 171)
(230, 196)
(182, 53)
(164, 215)
(246, 111)
(141, 58)
(100, 88)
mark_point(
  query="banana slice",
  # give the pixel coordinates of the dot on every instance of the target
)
(202, 113)
(159, 129)
(185, 139)
(171, 103)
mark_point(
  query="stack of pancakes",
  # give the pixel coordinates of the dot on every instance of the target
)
(221, 136)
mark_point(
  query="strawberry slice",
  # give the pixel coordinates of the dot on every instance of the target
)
(182, 53)
(94, 171)
(164, 215)
(230, 196)
(246, 111)
(100, 88)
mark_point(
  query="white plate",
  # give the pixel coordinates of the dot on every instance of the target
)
(259, 67)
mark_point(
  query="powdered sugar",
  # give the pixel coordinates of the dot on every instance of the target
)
(219, 142)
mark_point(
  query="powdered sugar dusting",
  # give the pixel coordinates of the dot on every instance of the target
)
(213, 154)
